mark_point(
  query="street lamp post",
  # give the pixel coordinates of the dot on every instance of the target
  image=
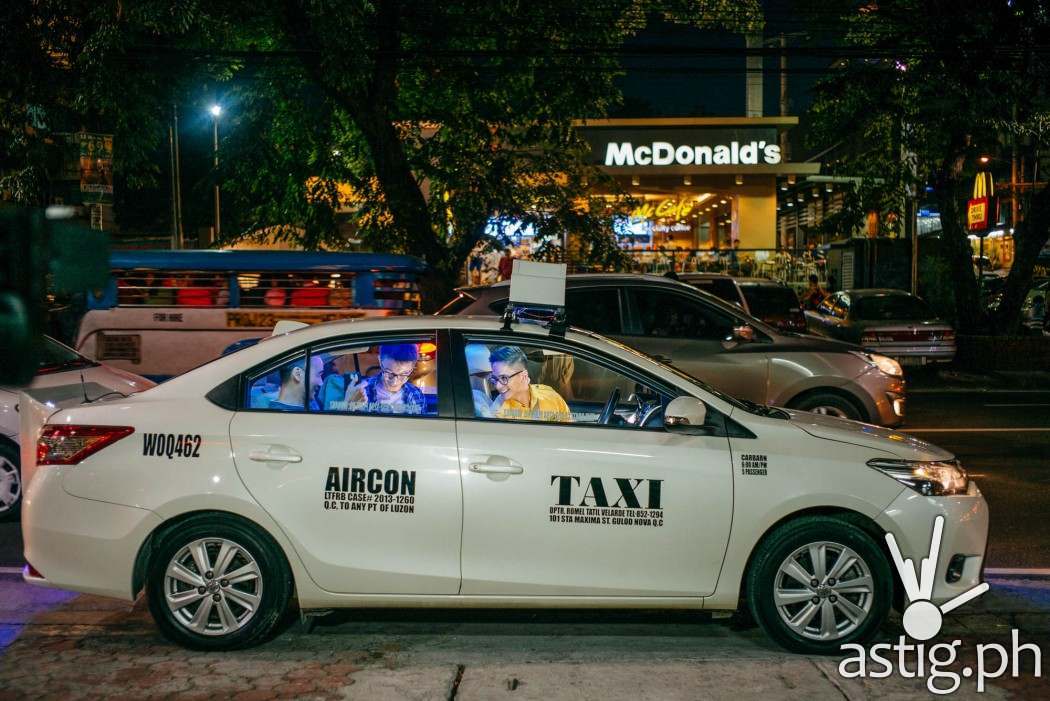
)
(216, 110)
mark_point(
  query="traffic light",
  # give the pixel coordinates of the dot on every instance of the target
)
(39, 256)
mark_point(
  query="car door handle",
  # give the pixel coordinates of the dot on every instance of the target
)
(268, 455)
(665, 359)
(499, 468)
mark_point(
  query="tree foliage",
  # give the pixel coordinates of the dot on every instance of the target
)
(926, 88)
(419, 120)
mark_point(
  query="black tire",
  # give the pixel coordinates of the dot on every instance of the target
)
(763, 577)
(830, 401)
(275, 581)
(10, 482)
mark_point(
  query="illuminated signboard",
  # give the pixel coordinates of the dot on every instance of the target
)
(664, 153)
(656, 147)
(979, 208)
(671, 207)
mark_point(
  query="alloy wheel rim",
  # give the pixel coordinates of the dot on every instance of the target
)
(830, 411)
(10, 485)
(824, 591)
(213, 586)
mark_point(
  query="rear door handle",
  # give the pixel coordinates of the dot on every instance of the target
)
(665, 359)
(497, 465)
(272, 455)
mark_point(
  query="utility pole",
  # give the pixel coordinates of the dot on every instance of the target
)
(180, 241)
(753, 77)
(784, 146)
(216, 110)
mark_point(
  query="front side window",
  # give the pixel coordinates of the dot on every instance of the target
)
(667, 315)
(531, 382)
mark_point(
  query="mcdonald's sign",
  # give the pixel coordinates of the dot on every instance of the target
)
(979, 209)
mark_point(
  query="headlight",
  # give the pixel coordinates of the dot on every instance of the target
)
(884, 363)
(931, 478)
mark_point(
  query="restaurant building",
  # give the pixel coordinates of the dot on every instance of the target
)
(700, 183)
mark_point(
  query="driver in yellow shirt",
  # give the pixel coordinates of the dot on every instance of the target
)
(518, 399)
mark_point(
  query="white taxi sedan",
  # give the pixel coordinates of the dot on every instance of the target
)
(451, 461)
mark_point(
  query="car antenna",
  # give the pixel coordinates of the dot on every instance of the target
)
(88, 400)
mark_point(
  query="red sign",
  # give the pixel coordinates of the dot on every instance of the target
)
(978, 213)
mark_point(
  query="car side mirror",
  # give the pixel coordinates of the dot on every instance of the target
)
(685, 415)
(745, 333)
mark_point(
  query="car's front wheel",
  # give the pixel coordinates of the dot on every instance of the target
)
(216, 582)
(828, 404)
(10, 483)
(819, 582)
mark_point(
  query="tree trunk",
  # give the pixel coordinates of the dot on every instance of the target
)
(403, 195)
(969, 317)
(1029, 237)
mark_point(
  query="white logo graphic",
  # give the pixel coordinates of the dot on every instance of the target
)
(922, 618)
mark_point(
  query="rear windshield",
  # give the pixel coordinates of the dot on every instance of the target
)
(719, 287)
(768, 300)
(896, 307)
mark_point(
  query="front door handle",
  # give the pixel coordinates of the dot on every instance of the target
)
(271, 455)
(497, 465)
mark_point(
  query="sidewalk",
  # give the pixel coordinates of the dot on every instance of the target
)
(61, 645)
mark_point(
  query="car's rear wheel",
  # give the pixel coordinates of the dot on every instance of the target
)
(216, 582)
(818, 583)
(10, 483)
(828, 404)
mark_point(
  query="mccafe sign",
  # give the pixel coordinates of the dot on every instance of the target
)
(657, 147)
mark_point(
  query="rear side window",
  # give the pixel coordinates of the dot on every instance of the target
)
(719, 287)
(768, 300)
(280, 388)
(398, 377)
(667, 315)
(596, 309)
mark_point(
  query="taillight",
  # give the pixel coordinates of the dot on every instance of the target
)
(948, 335)
(62, 444)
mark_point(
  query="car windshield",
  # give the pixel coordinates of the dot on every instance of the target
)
(767, 300)
(897, 307)
(56, 357)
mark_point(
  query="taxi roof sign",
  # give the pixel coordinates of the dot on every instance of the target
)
(537, 294)
(537, 284)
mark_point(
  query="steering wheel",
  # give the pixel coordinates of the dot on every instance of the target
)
(610, 407)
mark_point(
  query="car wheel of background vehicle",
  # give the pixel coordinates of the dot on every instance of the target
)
(818, 583)
(216, 582)
(828, 404)
(10, 483)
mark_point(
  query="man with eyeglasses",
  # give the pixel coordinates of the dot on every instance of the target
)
(390, 392)
(518, 399)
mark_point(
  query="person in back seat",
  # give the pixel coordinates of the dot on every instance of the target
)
(390, 391)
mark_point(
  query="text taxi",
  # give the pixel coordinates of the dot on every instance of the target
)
(453, 461)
